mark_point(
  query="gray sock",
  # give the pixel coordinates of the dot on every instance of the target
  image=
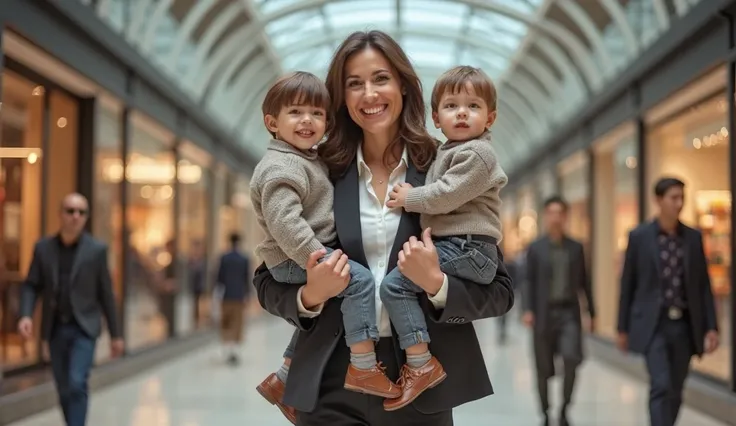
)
(416, 361)
(283, 373)
(364, 361)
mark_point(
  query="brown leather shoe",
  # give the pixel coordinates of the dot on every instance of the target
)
(414, 381)
(272, 389)
(371, 382)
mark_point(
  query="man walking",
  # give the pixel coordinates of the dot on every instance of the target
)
(234, 279)
(69, 271)
(666, 311)
(556, 276)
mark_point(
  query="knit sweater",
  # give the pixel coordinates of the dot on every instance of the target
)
(461, 194)
(292, 198)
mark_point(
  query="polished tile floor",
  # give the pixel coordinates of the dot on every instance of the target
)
(199, 390)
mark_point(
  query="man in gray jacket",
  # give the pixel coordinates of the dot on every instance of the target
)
(556, 277)
(69, 272)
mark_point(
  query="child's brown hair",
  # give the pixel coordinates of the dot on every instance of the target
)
(297, 88)
(454, 81)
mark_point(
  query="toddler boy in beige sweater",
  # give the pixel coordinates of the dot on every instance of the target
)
(460, 203)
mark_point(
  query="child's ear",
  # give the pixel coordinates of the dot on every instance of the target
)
(491, 118)
(436, 119)
(271, 123)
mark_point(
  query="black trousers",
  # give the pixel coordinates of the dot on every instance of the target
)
(339, 407)
(562, 337)
(668, 363)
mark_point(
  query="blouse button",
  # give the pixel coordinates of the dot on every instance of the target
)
(381, 264)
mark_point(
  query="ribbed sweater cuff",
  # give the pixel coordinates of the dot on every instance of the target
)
(414, 200)
(303, 255)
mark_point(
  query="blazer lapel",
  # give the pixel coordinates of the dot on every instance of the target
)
(409, 223)
(79, 258)
(347, 214)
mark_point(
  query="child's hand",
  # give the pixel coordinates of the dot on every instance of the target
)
(397, 196)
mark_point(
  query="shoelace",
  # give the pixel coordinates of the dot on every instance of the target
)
(407, 376)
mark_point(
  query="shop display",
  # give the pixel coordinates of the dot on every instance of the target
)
(713, 211)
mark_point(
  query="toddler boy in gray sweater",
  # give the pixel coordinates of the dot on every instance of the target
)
(460, 203)
(292, 199)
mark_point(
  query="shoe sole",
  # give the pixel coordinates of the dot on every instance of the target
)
(436, 382)
(370, 392)
(272, 401)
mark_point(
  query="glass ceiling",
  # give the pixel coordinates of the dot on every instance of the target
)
(225, 54)
(433, 33)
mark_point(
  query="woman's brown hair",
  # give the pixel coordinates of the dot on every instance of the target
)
(343, 135)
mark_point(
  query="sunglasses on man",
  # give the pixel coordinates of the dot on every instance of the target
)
(70, 211)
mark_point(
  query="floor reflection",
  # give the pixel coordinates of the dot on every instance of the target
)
(199, 390)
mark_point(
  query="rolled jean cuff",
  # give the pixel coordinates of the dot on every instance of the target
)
(289, 353)
(413, 338)
(370, 333)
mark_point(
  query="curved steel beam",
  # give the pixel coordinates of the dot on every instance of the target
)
(663, 16)
(103, 9)
(138, 20)
(186, 28)
(229, 99)
(211, 35)
(681, 7)
(581, 18)
(577, 49)
(618, 16)
(148, 35)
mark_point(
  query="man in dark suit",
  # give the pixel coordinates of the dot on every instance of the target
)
(666, 311)
(233, 277)
(69, 271)
(556, 276)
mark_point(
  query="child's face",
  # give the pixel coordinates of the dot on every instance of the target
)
(463, 116)
(302, 126)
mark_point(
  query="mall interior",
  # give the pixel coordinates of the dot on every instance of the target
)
(151, 109)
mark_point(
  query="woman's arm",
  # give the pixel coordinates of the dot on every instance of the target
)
(468, 301)
(454, 301)
(280, 299)
(299, 305)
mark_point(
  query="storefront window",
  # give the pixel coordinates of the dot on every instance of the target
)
(693, 146)
(616, 213)
(575, 189)
(151, 260)
(192, 238)
(528, 216)
(107, 213)
(511, 245)
(21, 124)
(546, 186)
(23, 220)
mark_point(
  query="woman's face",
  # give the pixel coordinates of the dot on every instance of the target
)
(373, 92)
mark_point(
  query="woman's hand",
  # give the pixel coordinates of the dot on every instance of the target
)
(326, 279)
(419, 262)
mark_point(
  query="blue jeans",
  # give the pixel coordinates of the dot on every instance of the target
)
(72, 355)
(464, 258)
(358, 304)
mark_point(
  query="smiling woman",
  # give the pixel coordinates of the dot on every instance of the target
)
(378, 89)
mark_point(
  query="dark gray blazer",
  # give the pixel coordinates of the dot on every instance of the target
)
(454, 341)
(641, 291)
(91, 286)
(539, 272)
(234, 275)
